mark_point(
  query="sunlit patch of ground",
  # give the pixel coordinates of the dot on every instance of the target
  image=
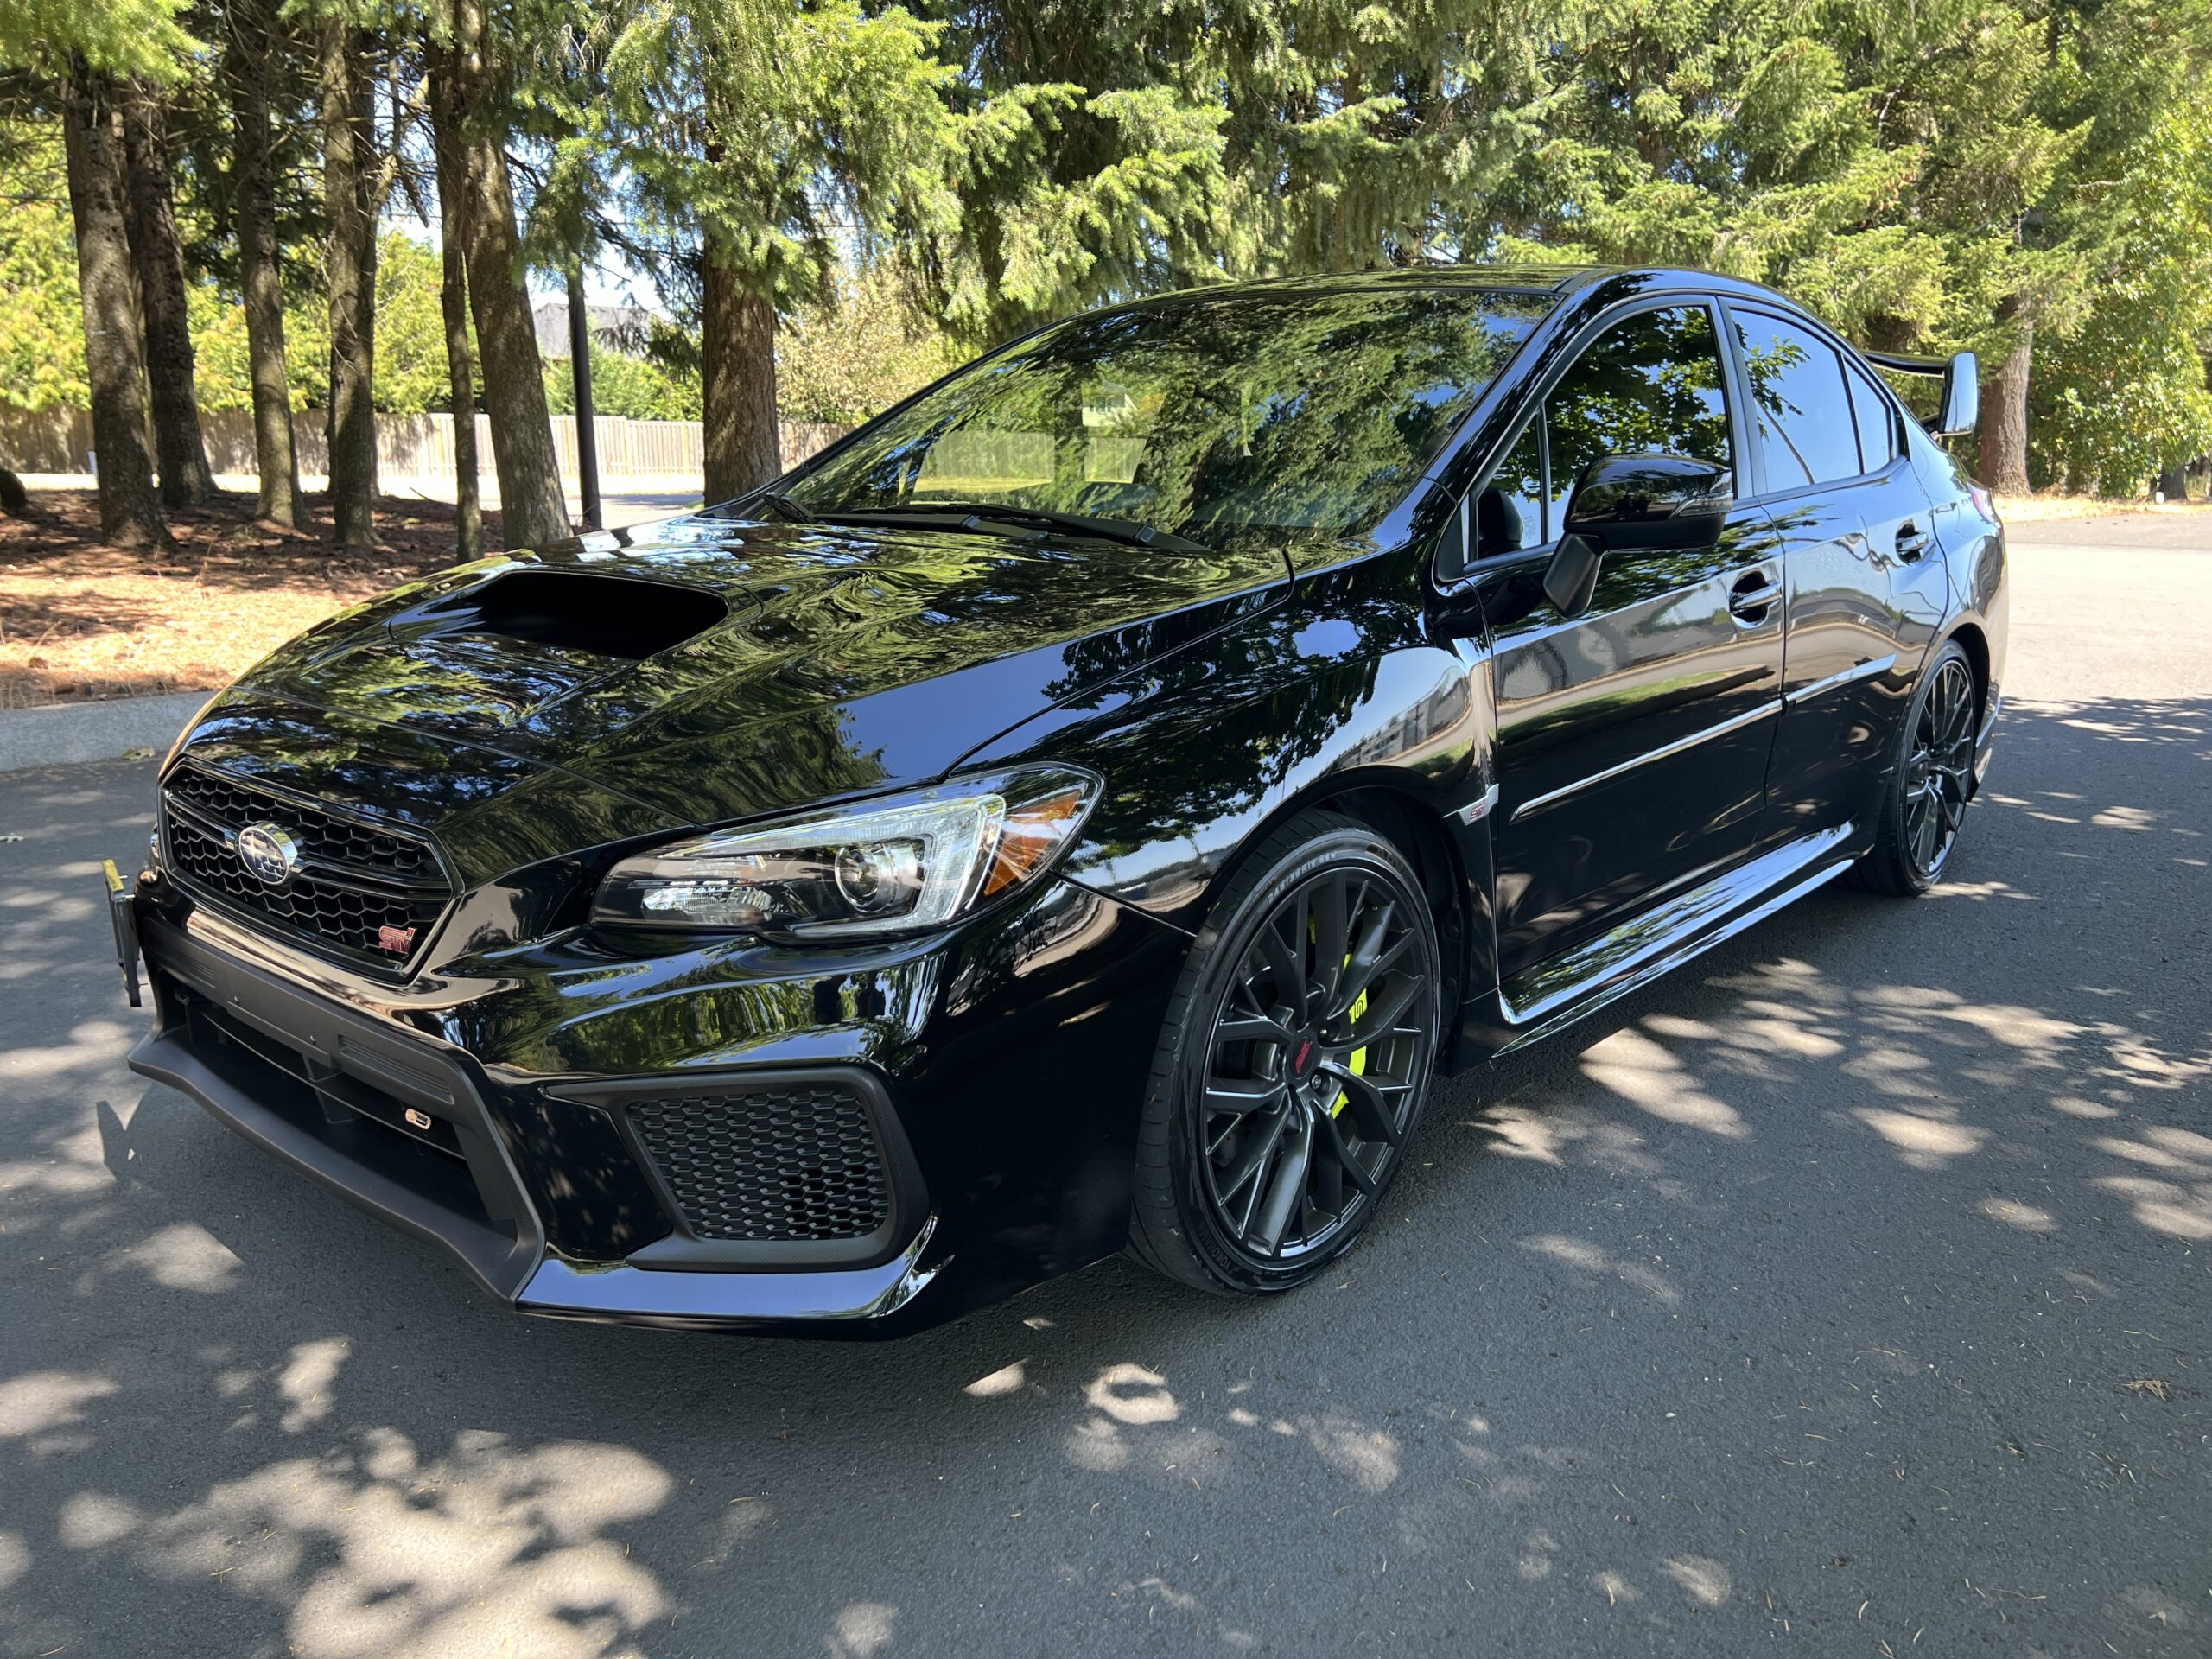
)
(78, 619)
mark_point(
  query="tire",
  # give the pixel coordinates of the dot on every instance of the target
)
(1221, 1199)
(1916, 829)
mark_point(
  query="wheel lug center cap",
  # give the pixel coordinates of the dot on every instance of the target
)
(1304, 1057)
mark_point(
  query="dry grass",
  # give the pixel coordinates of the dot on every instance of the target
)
(81, 620)
(2032, 509)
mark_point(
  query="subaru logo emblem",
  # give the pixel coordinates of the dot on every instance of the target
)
(267, 854)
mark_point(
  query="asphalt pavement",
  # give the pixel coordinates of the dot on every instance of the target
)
(1849, 1291)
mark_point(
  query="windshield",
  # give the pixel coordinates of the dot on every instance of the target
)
(1202, 417)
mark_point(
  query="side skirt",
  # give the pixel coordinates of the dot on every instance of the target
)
(1534, 1004)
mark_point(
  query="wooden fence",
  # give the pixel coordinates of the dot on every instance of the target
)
(408, 446)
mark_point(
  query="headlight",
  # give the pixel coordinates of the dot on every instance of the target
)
(913, 862)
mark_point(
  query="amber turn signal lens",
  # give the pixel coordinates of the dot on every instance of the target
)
(1029, 836)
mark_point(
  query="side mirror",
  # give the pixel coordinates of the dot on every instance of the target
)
(1633, 502)
(1960, 411)
(1571, 577)
(1650, 501)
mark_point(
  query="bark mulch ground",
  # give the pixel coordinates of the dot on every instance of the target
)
(80, 618)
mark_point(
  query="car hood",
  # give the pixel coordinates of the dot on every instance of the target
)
(703, 670)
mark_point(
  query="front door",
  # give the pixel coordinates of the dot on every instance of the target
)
(1632, 740)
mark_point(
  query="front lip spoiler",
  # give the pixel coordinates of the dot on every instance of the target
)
(515, 1267)
(848, 1301)
(822, 1300)
(497, 1262)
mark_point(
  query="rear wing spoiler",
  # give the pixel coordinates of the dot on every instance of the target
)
(1958, 409)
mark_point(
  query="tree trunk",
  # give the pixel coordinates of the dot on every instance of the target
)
(180, 452)
(2003, 434)
(532, 509)
(452, 300)
(351, 267)
(2174, 480)
(275, 452)
(739, 371)
(114, 368)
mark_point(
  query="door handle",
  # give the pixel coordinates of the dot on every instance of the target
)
(1755, 593)
(1912, 541)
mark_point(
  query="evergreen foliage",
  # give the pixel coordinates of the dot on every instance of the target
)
(895, 185)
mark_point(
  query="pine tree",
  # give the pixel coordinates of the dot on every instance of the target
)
(473, 112)
(749, 135)
(115, 362)
(349, 165)
(88, 48)
(452, 300)
(1109, 150)
(180, 451)
(250, 45)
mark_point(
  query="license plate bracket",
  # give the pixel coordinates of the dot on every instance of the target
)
(126, 924)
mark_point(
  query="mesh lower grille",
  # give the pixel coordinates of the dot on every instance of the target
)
(793, 1164)
(364, 893)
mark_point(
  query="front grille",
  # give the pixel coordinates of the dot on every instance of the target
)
(363, 891)
(790, 1164)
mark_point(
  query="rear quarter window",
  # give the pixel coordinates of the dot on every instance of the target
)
(1877, 422)
(1802, 416)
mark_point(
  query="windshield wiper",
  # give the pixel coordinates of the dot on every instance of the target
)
(778, 502)
(1132, 531)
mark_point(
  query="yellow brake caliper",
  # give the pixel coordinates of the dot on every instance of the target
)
(1358, 1055)
(1358, 1061)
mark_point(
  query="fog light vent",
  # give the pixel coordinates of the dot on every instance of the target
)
(789, 1165)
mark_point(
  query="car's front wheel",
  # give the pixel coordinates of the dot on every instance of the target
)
(1293, 1067)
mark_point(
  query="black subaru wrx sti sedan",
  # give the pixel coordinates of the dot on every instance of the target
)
(1085, 809)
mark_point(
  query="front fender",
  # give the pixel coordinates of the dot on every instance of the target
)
(1203, 753)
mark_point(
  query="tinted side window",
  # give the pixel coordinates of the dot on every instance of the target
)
(1801, 413)
(1509, 510)
(1877, 425)
(1650, 384)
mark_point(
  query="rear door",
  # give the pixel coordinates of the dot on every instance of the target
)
(1633, 738)
(1866, 586)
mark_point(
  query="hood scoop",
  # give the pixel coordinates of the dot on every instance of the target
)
(571, 612)
(487, 658)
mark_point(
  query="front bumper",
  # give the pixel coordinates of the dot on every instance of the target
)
(487, 1114)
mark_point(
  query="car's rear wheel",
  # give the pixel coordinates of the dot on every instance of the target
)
(1293, 1067)
(1925, 805)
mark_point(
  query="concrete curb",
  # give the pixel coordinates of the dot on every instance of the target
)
(69, 733)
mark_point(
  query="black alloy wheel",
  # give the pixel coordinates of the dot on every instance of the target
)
(1939, 769)
(1292, 1076)
(1925, 805)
